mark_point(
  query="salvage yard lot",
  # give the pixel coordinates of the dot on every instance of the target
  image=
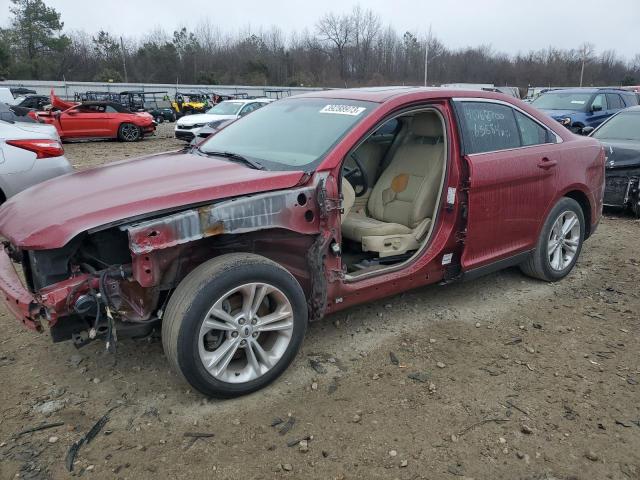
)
(502, 377)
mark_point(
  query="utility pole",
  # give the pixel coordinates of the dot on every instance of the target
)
(124, 62)
(587, 51)
(426, 56)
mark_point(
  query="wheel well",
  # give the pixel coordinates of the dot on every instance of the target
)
(583, 201)
(3, 197)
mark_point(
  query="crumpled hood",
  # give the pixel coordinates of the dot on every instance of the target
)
(50, 214)
(202, 118)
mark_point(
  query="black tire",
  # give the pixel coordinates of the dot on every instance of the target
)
(635, 204)
(128, 132)
(198, 292)
(538, 265)
(159, 119)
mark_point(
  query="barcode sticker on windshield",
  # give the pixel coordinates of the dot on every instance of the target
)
(579, 102)
(343, 110)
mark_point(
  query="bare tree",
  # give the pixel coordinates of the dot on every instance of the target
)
(338, 30)
(366, 28)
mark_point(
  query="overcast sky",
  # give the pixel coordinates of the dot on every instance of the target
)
(507, 25)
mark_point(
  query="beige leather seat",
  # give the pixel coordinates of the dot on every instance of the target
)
(348, 198)
(404, 198)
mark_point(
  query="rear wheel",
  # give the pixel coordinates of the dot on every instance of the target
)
(128, 132)
(159, 119)
(559, 244)
(234, 324)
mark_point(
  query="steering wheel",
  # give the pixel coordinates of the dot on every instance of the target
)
(357, 176)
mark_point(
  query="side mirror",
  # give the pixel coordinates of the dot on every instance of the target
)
(596, 108)
(587, 130)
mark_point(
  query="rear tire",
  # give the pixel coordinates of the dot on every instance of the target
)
(128, 132)
(234, 324)
(159, 119)
(560, 243)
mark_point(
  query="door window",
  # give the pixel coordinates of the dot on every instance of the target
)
(531, 132)
(614, 101)
(249, 108)
(599, 101)
(488, 127)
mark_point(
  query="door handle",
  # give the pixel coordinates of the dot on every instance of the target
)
(546, 164)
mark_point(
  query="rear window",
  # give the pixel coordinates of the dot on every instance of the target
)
(615, 101)
(631, 99)
(488, 127)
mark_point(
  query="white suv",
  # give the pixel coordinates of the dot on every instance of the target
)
(187, 126)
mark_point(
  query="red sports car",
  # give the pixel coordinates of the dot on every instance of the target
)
(97, 120)
(306, 206)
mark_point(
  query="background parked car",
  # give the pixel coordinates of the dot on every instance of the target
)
(36, 102)
(12, 113)
(100, 120)
(576, 108)
(32, 153)
(227, 110)
(210, 128)
(6, 96)
(621, 136)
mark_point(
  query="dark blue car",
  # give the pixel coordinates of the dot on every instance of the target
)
(576, 108)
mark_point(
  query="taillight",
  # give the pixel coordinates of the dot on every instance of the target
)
(42, 148)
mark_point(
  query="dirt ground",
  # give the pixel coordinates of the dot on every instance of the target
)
(500, 378)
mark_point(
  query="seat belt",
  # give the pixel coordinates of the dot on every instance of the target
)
(393, 148)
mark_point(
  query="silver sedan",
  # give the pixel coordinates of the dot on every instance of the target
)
(30, 153)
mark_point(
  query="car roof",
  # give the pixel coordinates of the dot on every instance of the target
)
(588, 90)
(382, 94)
(248, 100)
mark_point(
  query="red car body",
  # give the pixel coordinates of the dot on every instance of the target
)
(93, 119)
(491, 213)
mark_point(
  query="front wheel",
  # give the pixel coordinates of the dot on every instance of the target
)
(559, 244)
(128, 132)
(234, 324)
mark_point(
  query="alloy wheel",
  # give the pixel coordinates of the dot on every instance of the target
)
(563, 241)
(130, 132)
(245, 333)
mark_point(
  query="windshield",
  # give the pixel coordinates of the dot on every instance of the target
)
(562, 101)
(624, 126)
(290, 134)
(226, 108)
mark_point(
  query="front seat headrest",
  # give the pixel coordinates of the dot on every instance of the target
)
(426, 125)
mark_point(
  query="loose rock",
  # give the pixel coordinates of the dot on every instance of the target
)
(591, 455)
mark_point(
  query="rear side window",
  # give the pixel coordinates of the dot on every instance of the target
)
(631, 99)
(488, 127)
(531, 133)
(615, 101)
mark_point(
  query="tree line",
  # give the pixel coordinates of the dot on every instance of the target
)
(352, 49)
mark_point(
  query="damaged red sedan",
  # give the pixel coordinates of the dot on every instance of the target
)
(305, 207)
